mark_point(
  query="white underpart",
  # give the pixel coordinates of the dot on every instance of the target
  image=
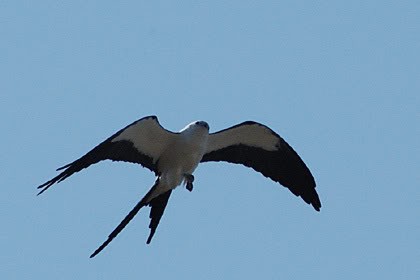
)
(181, 156)
(176, 154)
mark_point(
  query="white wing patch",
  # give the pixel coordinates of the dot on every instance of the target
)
(248, 133)
(148, 137)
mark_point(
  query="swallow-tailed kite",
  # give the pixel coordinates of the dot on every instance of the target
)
(173, 157)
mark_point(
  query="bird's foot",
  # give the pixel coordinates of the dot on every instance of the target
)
(189, 179)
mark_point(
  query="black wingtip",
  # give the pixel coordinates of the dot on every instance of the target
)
(40, 192)
(317, 206)
(316, 203)
(44, 187)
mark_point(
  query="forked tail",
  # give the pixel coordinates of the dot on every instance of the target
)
(157, 204)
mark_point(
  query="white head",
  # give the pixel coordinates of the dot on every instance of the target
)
(196, 125)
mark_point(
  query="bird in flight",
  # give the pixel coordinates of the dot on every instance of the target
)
(173, 157)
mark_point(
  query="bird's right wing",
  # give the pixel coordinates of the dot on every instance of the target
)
(140, 142)
(257, 146)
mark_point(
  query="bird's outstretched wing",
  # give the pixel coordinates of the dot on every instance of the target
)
(257, 146)
(141, 142)
(157, 204)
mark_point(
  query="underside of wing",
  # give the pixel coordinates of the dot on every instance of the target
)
(257, 146)
(141, 142)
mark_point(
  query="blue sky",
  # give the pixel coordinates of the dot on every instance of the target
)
(338, 80)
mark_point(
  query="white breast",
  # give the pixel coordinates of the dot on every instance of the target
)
(183, 155)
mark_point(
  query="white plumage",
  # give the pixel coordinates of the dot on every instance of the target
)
(173, 157)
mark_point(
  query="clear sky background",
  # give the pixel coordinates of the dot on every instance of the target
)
(339, 80)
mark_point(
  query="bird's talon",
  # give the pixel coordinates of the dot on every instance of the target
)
(189, 179)
(189, 186)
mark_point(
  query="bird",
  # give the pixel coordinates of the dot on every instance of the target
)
(173, 157)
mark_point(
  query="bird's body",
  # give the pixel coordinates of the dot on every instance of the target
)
(174, 157)
(180, 156)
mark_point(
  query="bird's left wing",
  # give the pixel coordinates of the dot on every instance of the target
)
(257, 146)
(141, 142)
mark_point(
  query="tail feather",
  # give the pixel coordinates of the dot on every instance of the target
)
(157, 205)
